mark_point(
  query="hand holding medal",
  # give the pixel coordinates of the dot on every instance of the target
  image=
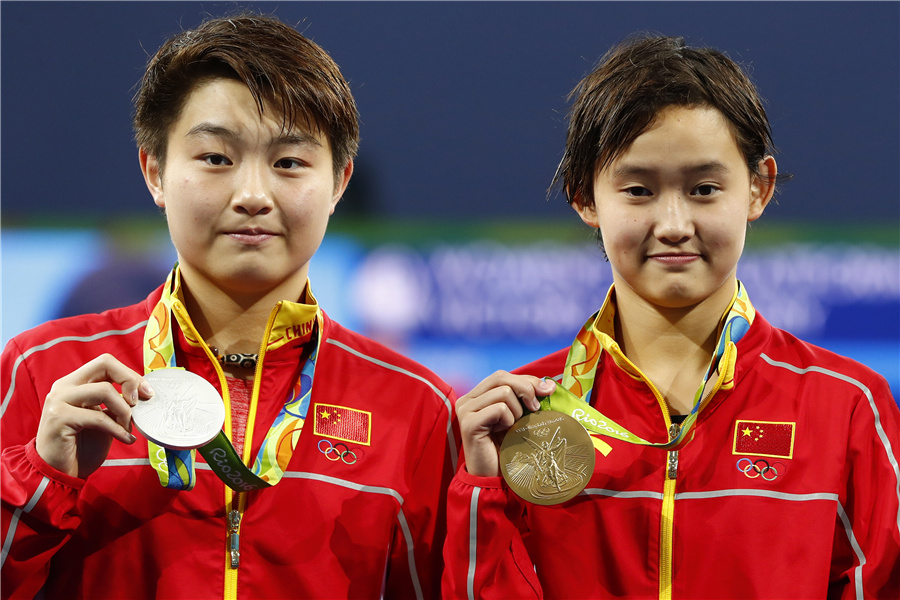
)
(489, 410)
(546, 457)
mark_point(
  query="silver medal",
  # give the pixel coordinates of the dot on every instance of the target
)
(185, 412)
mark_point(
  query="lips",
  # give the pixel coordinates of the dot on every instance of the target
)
(675, 259)
(251, 235)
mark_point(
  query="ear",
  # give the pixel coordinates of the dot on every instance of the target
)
(341, 185)
(152, 177)
(762, 187)
(587, 212)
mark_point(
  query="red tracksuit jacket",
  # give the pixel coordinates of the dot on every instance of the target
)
(813, 514)
(328, 529)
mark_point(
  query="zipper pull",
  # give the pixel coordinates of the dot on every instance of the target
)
(673, 454)
(234, 538)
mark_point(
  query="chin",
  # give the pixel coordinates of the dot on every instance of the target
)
(676, 297)
(674, 303)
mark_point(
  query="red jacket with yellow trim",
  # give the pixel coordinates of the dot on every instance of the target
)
(812, 511)
(328, 529)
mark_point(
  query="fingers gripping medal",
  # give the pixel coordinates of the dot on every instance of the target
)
(547, 457)
(185, 411)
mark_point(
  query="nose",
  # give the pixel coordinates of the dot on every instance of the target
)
(674, 223)
(252, 193)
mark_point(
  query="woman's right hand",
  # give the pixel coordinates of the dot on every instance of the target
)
(489, 410)
(84, 412)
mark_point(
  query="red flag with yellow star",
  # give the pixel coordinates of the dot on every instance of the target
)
(764, 438)
(342, 423)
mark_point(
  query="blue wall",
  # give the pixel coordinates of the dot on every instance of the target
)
(462, 103)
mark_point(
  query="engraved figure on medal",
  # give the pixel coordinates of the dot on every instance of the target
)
(185, 412)
(180, 409)
(547, 457)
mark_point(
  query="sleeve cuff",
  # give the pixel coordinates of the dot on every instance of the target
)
(475, 481)
(47, 471)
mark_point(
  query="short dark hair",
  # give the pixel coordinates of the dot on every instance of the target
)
(278, 65)
(621, 98)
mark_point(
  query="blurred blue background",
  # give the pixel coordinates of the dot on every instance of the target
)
(447, 245)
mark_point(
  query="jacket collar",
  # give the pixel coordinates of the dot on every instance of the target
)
(734, 327)
(290, 324)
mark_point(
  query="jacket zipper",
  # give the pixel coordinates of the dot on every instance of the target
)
(234, 515)
(667, 520)
(234, 511)
(234, 538)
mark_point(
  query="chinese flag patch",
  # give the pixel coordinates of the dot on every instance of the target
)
(342, 423)
(764, 438)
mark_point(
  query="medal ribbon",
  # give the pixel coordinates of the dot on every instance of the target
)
(572, 395)
(175, 468)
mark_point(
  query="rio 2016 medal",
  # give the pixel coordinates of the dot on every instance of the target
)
(185, 412)
(547, 457)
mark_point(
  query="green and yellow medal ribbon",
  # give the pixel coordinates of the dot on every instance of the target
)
(572, 394)
(175, 468)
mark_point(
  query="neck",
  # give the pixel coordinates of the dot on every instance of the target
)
(671, 346)
(234, 322)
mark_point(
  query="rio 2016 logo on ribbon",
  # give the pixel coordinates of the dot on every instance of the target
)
(225, 470)
(760, 468)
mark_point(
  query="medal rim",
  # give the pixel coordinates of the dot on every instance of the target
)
(206, 389)
(571, 424)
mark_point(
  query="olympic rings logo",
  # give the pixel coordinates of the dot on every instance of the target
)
(333, 452)
(760, 468)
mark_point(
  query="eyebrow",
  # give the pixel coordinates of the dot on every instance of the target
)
(284, 139)
(711, 167)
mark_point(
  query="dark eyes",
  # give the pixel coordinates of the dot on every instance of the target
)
(216, 160)
(287, 163)
(701, 190)
(638, 191)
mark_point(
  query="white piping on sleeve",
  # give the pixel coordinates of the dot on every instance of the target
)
(473, 543)
(14, 522)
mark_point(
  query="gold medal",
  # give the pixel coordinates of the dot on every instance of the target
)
(547, 457)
